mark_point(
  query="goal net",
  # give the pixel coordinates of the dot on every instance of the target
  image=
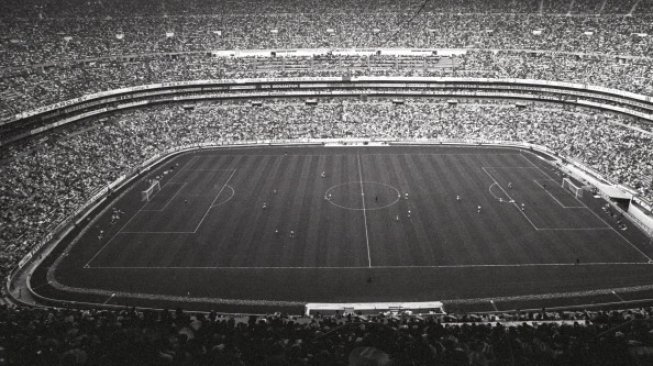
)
(154, 187)
(571, 187)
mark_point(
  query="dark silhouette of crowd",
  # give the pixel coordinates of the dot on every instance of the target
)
(130, 337)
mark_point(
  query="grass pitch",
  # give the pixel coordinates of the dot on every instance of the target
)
(285, 225)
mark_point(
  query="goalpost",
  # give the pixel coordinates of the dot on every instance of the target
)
(154, 187)
(571, 187)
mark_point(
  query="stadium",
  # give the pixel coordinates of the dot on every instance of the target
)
(326, 182)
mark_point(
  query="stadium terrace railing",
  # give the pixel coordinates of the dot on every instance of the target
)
(634, 104)
(572, 89)
(62, 229)
(319, 52)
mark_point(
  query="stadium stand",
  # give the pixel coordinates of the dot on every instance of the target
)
(129, 337)
(31, 88)
(45, 58)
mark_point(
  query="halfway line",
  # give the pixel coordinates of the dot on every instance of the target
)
(367, 237)
(213, 202)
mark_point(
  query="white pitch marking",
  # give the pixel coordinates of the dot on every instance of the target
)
(571, 8)
(552, 196)
(534, 166)
(494, 305)
(326, 196)
(88, 264)
(386, 154)
(231, 196)
(576, 228)
(214, 199)
(109, 299)
(607, 227)
(509, 167)
(632, 10)
(367, 238)
(617, 295)
(170, 200)
(383, 267)
(510, 198)
(209, 170)
(492, 193)
(156, 232)
(113, 237)
(597, 216)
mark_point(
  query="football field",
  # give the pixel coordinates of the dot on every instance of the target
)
(280, 226)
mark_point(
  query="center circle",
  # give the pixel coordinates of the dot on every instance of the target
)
(362, 195)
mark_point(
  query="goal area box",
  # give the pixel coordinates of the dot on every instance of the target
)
(147, 194)
(422, 308)
(571, 187)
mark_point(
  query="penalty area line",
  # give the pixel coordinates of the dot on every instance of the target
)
(185, 167)
(500, 199)
(650, 260)
(552, 196)
(169, 200)
(510, 198)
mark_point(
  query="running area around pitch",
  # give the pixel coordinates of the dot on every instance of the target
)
(330, 224)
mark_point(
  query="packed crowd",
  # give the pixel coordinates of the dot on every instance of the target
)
(45, 57)
(46, 179)
(115, 8)
(129, 337)
(32, 88)
(58, 40)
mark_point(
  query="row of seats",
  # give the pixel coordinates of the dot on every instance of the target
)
(26, 8)
(27, 89)
(29, 41)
